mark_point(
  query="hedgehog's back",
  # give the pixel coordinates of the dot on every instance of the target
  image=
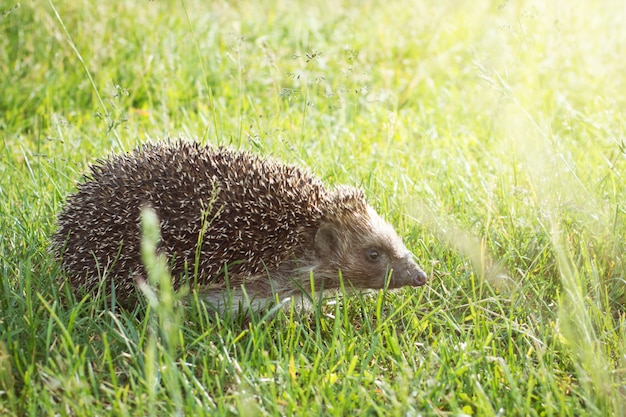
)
(257, 213)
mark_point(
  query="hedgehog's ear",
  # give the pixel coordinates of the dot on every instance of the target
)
(326, 239)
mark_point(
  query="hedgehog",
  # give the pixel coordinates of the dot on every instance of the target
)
(232, 224)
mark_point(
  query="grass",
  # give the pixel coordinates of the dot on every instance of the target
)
(491, 134)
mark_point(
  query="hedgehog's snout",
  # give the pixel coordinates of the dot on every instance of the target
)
(407, 273)
(419, 277)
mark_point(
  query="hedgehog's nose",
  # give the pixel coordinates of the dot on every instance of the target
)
(414, 274)
(419, 278)
(409, 274)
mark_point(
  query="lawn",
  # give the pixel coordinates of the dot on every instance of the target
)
(491, 134)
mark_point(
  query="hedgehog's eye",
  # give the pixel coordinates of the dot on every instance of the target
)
(373, 255)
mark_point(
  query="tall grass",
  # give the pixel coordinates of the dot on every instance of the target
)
(491, 134)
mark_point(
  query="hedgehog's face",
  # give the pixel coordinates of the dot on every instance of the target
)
(368, 252)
